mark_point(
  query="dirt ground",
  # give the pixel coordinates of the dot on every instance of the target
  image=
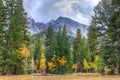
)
(60, 77)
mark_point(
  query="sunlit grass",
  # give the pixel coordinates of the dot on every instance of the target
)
(82, 77)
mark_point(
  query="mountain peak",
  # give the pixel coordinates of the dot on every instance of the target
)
(61, 17)
(72, 26)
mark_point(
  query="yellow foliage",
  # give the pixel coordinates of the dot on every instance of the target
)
(51, 66)
(62, 61)
(42, 62)
(96, 58)
(92, 65)
(58, 59)
(23, 51)
(74, 66)
(54, 58)
(86, 65)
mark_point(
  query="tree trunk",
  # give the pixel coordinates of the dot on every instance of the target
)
(76, 70)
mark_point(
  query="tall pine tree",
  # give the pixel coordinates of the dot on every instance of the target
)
(105, 26)
(66, 47)
(15, 34)
(114, 28)
(93, 39)
(37, 52)
(50, 42)
(3, 25)
(18, 31)
(76, 46)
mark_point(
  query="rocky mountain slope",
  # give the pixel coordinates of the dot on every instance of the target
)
(72, 26)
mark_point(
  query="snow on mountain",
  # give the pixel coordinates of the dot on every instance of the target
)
(72, 26)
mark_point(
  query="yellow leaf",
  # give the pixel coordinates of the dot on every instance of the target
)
(51, 66)
(86, 65)
(23, 51)
(62, 61)
(42, 62)
(74, 66)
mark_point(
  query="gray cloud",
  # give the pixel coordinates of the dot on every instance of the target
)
(45, 10)
(85, 7)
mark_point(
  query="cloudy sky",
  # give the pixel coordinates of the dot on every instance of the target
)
(45, 10)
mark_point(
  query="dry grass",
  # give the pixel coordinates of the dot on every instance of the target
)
(82, 77)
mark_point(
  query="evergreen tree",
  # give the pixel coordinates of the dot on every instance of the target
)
(5, 15)
(62, 49)
(59, 48)
(114, 28)
(3, 25)
(76, 46)
(105, 25)
(80, 50)
(92, 39)
(86, 50)
(18, 31)
(66, 47)
(37, 52)
(50, 42)
(15, 34)
(59, 51)
(2, 20)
